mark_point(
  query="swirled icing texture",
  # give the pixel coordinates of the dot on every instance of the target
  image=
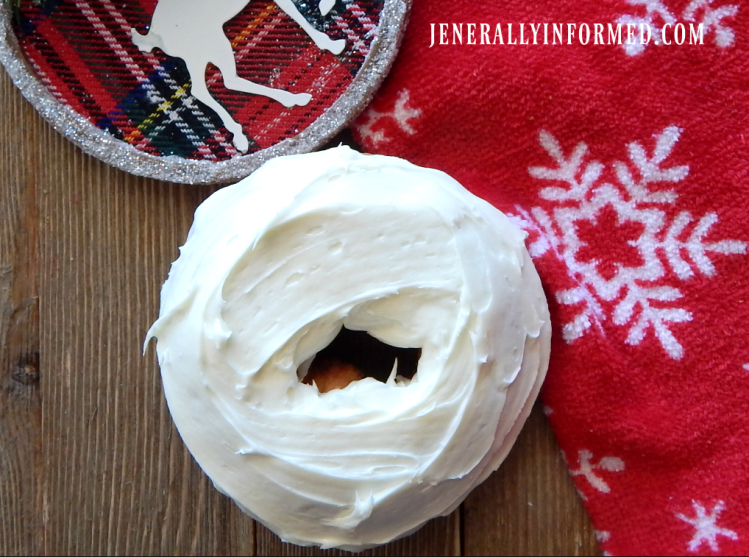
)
(272, 269)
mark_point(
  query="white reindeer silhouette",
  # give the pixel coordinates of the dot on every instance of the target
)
(193, 31)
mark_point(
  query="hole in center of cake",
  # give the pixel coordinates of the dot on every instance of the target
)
(355, 355)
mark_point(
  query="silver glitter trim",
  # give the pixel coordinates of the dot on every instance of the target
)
(103, 146)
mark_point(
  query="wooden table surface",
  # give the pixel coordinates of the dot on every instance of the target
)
(90, 462)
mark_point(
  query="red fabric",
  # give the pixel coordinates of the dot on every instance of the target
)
(644, 258)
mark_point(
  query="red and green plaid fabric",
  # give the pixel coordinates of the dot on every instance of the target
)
(83, 52)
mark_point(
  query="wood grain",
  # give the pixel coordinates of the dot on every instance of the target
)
(529, 506)
(90, 462)
(20, 418)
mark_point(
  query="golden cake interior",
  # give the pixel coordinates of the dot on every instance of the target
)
(355, 355)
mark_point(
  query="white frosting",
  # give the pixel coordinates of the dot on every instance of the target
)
(272, 269)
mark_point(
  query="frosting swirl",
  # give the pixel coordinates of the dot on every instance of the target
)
(273, 267)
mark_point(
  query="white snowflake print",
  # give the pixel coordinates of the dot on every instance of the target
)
(587, 468)
(654, 10)
(602, 536)
(706, 527)
(401, 114)
(698, 12)
(630, 287)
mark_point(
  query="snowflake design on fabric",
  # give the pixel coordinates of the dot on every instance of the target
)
(602, 536)
(698, 12)
(401, 115)
(639, 301)
(706, 527)
(586, 468)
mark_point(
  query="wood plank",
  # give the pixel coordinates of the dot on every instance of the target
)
(529, 506)
(20, 420)
(118, 478)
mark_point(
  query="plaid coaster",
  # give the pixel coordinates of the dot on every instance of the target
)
(83, 52)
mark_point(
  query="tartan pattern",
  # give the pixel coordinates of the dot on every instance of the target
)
(82, 51)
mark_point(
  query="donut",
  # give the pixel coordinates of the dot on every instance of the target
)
(279, 266)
